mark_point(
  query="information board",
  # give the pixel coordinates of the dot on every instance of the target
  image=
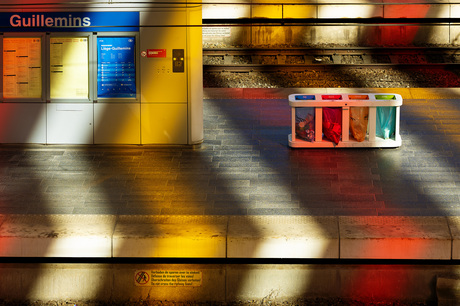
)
(69, 68)
(116, 67)
(22, 67)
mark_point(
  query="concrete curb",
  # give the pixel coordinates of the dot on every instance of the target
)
(161, 236)
(283, 93)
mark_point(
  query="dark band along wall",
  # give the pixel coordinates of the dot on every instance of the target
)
(101, 77)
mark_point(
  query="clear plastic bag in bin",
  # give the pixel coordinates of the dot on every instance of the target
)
(359, 118)
(386, 121)
(305, 123)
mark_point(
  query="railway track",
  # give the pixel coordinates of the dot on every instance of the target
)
(300, 59)
(323, 68)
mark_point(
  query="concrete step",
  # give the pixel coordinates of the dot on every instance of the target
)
(155, 236)
(244, 283)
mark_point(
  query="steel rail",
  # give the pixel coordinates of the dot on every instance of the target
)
(318, 67)
(289, 58)
(336, 49)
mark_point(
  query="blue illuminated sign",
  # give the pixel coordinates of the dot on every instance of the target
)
(69, 21)
(116, 70)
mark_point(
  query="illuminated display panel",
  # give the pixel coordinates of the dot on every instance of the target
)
(69, 68)
(22, 68)
(116, 67)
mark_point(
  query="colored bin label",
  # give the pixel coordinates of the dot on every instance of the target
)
(331, 97)
(358, 97)
(305, 97)
(385, 97)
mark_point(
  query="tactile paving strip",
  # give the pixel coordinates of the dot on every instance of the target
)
(172, 219)
(391, 220)
(263, 220)
(435, 93)
(282, 93)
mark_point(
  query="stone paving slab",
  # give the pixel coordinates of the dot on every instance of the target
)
(56, 236)
(381, 237)
(170, 236)
(283, 237)
(454, 225)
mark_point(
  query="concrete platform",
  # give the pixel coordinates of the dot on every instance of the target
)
(243, 193)
(244, 215)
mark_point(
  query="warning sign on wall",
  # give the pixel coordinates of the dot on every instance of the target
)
(168, 278)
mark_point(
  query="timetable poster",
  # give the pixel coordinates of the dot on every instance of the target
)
(22, 67)
(69, 68)
(116, 70)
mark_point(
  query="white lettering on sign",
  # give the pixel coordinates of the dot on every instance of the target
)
(39, 20)
(156, 52)
(112, 48)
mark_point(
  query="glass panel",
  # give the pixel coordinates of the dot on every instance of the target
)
(69, 68)
(22, 70)
(116, 67)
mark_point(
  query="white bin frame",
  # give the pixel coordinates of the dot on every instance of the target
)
(345, 101)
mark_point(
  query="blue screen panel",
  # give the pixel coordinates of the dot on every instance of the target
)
(116, 67)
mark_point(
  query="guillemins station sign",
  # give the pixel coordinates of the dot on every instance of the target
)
(65, 21)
